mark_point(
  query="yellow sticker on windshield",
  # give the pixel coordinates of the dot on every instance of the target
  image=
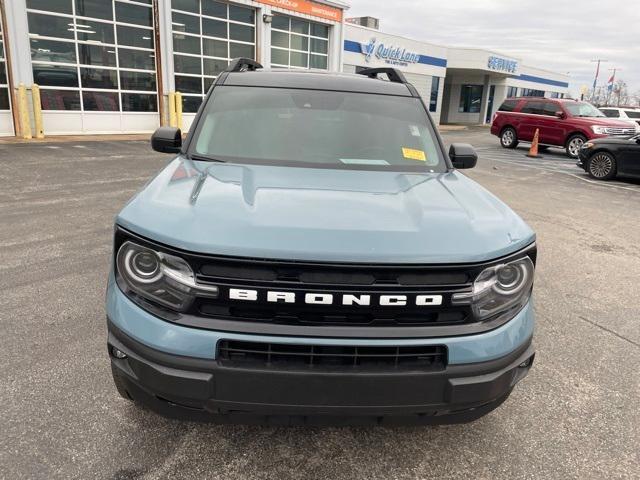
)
(414, 154)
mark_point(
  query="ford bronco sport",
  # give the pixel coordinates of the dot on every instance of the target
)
(312, 254)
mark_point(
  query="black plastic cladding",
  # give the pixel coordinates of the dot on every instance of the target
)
(197, 319)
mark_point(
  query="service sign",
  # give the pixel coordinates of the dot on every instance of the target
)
(390, 54)
(502, 64)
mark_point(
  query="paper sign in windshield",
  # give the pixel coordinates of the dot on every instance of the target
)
(414, 154)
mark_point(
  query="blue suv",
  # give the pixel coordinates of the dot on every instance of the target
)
(311, 254)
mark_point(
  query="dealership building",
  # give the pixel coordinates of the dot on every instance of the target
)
(114, 66)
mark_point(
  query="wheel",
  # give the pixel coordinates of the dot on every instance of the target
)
(602, 166)
(509, 138)
(574, 144)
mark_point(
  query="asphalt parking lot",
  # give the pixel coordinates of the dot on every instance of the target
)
(576, 415)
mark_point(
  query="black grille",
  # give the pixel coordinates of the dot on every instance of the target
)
(283, 356)
(336, 279)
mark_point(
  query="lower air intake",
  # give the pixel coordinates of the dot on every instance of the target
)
(286, 356)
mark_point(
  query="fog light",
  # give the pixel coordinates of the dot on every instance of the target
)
(118, 353)
(526, 363)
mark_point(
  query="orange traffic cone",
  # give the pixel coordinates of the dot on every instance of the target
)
(533, 151)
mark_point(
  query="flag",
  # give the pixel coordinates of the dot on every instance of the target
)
(595, 80)
(610, 82)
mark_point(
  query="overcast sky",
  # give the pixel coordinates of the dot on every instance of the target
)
(559, 35)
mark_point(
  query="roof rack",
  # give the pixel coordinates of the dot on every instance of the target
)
(242, 64)
(394, 74)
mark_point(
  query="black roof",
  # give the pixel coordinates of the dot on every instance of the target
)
(314, 80)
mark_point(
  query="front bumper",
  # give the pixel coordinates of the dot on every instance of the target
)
(191, 388)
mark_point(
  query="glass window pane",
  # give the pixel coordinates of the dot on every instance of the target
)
(241, 14)
(190, 104)
(207, 83)
(470, 98)
(214, 67)
(55, 75)
(279, 39)
(186, 5)
(140, 59)
(185, 23)
(214, 9)
(139, 102)
(280, 22)
(3, 74)
(433, 100)
(318, 61)
(100, 101)
(299, 26)
(59, 6)
(319, 46)
(95, 31)
(97, 55)
(215, 48)
(214, 28)
(4, 99)
(98, 78)
(52, 51)
(241, 33)
(188, 84)
(182, 64)
(1, 49)
(240, 50)
(135, 37)
(94, 8)
(49, 26)
(299, 59)
(59, 99)
(281, 57)
(136, 14)
(186, 44)
(137, 80)
(299, 43)
(319, 30)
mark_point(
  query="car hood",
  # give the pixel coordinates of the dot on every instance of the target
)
(612, 140)
(606, 122)
(324, 214)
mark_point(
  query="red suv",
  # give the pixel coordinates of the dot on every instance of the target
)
(562, 123)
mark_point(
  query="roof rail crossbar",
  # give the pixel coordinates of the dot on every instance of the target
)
(394, 74)
(242, 64)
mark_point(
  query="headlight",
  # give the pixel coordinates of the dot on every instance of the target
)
(600, 130)
(162, 278)
(499, 288)
(588, 145)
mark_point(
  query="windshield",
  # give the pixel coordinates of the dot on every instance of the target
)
(633, 113)
(582, 109)
(314, 128)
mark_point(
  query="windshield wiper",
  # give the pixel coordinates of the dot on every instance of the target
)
(204, 158)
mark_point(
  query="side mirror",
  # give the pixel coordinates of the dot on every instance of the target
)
(167, 140)
(463, 155)
(560, 114)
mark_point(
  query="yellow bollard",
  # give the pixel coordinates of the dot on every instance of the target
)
(37, 110)
(179, 110)
(23, 110)
(172, 109)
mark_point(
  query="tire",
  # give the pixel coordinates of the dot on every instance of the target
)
(601, 166)
(509, 138)
(574, 144)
